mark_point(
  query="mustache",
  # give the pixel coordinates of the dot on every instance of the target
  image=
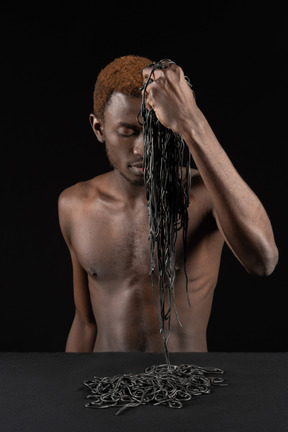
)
(138, 161)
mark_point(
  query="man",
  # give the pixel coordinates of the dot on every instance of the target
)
(105, 220)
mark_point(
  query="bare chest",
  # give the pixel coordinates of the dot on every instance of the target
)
(113, 245)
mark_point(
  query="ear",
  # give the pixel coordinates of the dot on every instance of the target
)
(97, 126)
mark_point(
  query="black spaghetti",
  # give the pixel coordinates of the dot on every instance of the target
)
(166, 163)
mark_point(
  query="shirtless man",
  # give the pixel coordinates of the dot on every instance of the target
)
(105, 221)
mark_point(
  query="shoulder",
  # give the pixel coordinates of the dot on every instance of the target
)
(74, 201)
(81, 193)
(68, 202)
(70, 199)
(72, 195)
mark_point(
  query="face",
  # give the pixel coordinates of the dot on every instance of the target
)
(123, 137)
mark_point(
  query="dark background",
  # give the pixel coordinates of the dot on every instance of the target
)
(234, 52)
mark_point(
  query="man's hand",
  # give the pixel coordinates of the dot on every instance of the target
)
(171, 97)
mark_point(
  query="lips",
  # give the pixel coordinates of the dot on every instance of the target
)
(137, 168)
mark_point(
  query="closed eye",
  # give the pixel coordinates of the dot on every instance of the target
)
(127, 130)
(126, 134)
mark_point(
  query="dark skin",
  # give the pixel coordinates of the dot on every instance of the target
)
(105, 224)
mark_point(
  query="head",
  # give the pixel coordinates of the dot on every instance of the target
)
(117, 100)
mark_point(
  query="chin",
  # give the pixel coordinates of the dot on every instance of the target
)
(134, 182)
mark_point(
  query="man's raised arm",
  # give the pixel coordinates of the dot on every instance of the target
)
(240, 215)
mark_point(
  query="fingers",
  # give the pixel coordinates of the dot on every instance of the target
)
(161, 69)
(156, 77)
(162, 64)
(151, 75)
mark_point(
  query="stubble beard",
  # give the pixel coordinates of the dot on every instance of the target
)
(133, 182)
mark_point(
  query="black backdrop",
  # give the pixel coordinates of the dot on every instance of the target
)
(234, 53)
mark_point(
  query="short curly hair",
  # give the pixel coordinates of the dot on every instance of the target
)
(124, 75)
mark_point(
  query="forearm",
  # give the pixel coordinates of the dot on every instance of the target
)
(239, 213)
(81, 337)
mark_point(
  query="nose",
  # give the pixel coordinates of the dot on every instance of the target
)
(138, 148)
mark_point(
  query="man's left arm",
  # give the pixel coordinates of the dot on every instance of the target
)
(239, 213)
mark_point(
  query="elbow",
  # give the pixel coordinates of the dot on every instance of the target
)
(264, 264)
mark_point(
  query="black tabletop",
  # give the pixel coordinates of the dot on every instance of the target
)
(44, 392)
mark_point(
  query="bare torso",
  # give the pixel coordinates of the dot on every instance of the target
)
(105, 224)
(109, 237)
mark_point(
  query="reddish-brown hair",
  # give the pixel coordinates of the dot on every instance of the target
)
(122, 74)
